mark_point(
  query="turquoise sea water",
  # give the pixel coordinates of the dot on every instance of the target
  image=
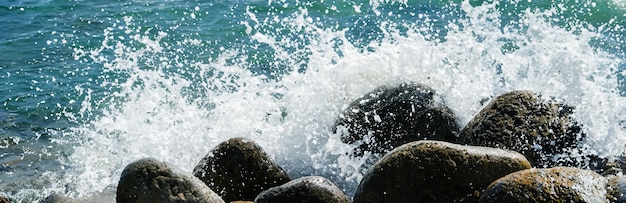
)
(87, 87)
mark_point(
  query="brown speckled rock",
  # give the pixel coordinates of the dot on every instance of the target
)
(239, 169)
(435, 171)
(560, 184)
(392, 116)
(309, 189)
(616, 189)
(521, 121)
(149, 180)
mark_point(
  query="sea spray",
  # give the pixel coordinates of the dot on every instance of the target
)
(280, 75)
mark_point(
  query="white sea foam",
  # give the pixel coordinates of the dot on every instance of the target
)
(619, 4)
(151, 114)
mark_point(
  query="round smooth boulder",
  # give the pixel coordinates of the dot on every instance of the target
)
(391, 116)
(436, 171)
(150, 180)
(239, 169)
(521, 121)
(309, 189)
(559, 184)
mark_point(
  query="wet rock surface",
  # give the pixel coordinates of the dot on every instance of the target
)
(435, 171)
(521, 121)
(614, 165)
(239, 169)
(150, 180)
(309, 189)
(559, 184)
(391, 116)
(616, 189)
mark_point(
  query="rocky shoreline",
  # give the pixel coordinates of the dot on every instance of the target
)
(519, 148)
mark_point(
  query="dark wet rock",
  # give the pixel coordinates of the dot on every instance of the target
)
(522, 121)
(614, 165)
(559, 184)
(4, 200)
(616, 189)
(149, 180)
(310, 189)
(239, 169)
(391, 116)
(436, 171)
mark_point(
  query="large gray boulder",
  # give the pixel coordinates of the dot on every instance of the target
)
(150, 180)
(559, 184)
(239, 169)
(522, 121)
(309, 189)
(392, 116)
(436, 171)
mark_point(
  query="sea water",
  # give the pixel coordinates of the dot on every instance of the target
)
(87, 87)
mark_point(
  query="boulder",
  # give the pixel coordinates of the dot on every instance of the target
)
(149, 180)
(239, 169)
(616, 189)
(4, 200)
(310, 189)
(522, 121)
(436, 171)
(391, 116)
(559, 184)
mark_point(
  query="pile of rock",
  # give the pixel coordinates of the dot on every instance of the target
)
(427, 158)
(237, 170)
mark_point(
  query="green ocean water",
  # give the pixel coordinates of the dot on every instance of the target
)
(86, 87)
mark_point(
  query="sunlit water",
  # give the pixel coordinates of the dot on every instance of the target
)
(87, 88)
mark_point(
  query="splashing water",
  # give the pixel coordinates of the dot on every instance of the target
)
(174, 97)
